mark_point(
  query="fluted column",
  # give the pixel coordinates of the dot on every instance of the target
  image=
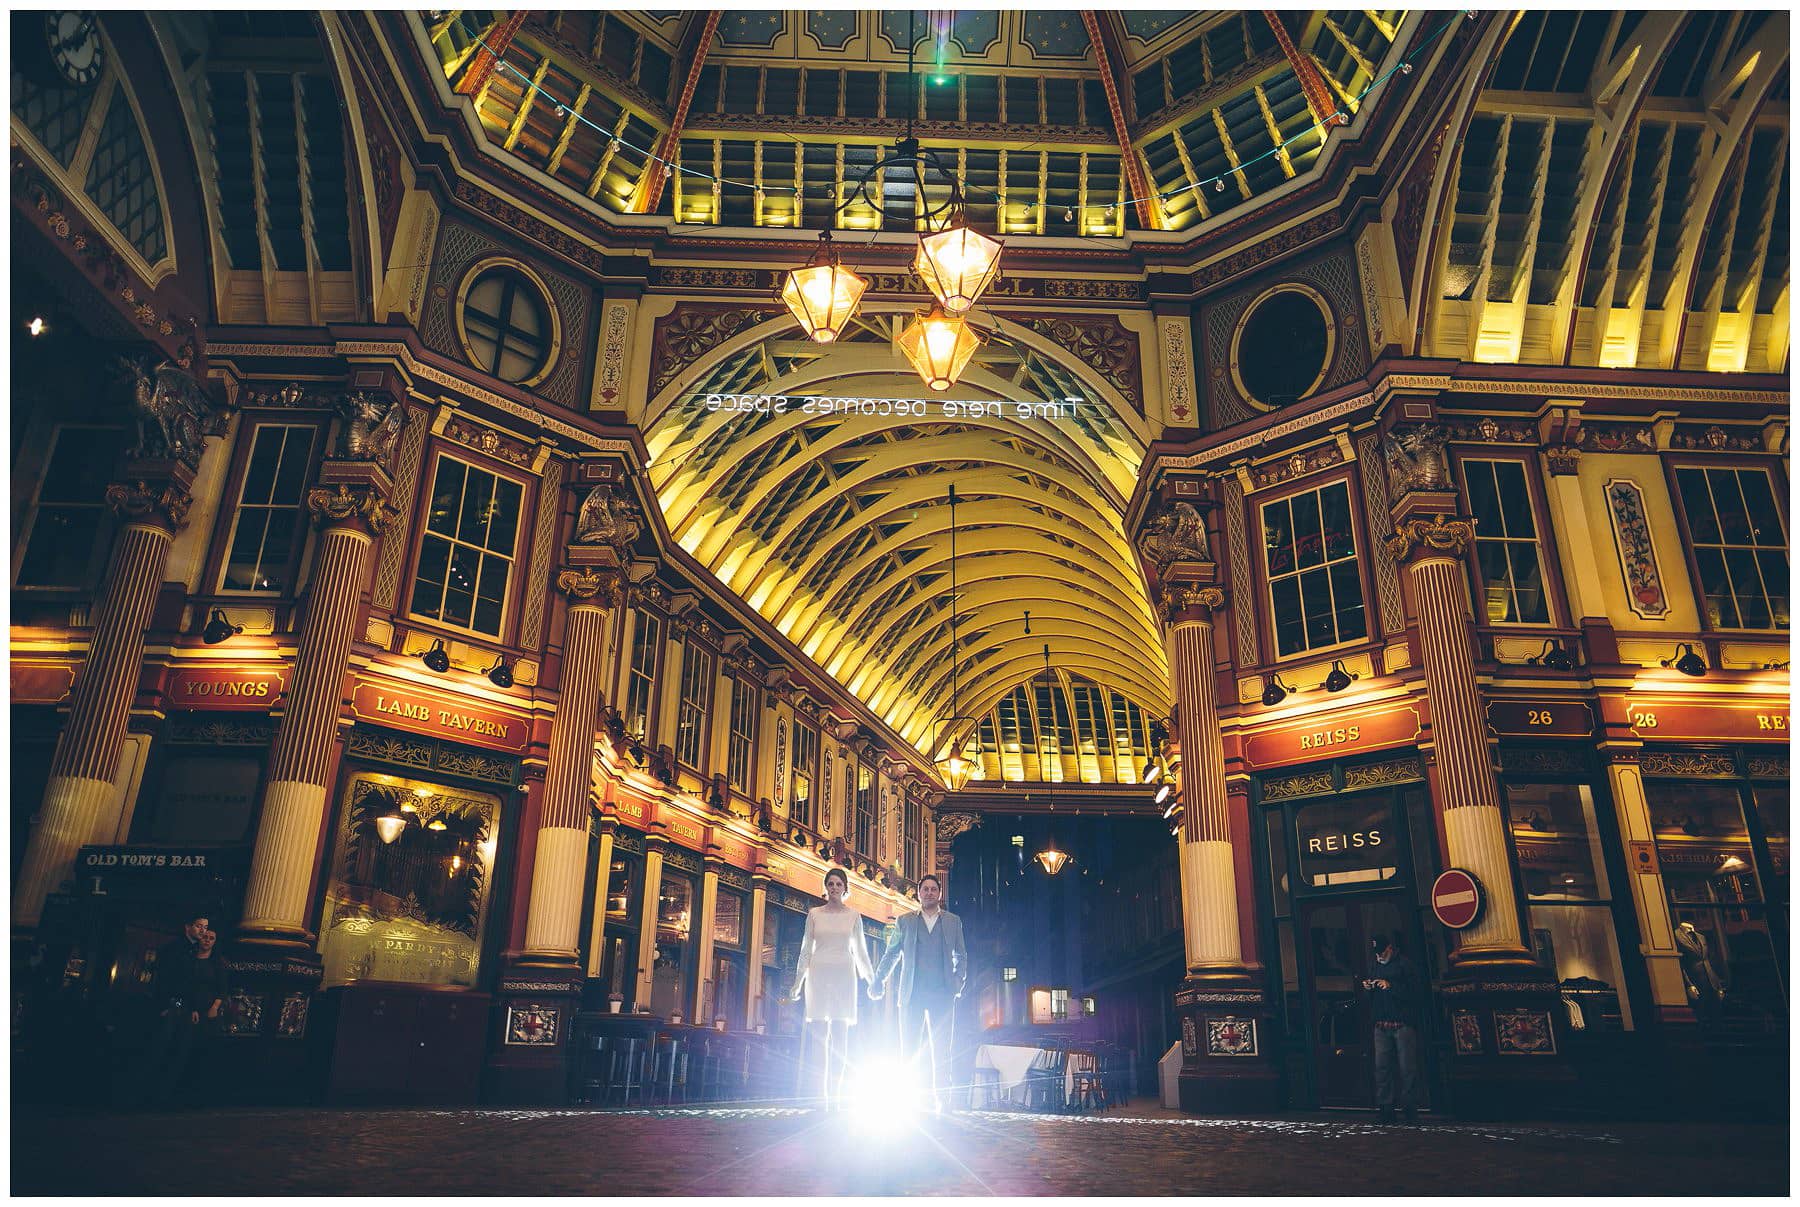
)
(350, 510)
(1468, 794)
(154, 506)
(646, 961)
(558, 873)
(753, 981)
(1209, 888)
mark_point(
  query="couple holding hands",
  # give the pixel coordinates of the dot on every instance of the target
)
(927, 946)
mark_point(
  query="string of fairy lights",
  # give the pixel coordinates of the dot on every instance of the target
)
(564, 109)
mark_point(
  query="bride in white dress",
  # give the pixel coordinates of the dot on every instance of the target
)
(832, 957)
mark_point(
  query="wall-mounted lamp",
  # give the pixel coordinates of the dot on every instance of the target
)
(1687, 662)
(219, 628)
(1275, 692)
(1162, 793)
(1552, 657)
(437, 658)
(1152, 772)
(500, 674)
(1339, 678)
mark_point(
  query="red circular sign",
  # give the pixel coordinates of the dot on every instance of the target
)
(1456, 898)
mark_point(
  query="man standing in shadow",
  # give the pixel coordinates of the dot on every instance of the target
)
(934, 966)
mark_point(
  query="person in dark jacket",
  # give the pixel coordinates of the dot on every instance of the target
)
(189, 986)
(1397, 1008)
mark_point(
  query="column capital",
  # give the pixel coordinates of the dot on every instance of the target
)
(362, 507)
(1191, 602)
(1419, 538)
(584, 584)
(1564, 460)
(155, 492)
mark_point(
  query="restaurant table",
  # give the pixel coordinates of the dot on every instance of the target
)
(1012, 1063)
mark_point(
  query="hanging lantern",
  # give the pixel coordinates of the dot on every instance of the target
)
(955, 770)
(1052, 859)
(823, 295)
(390, 827)
(940, 346)
(957, 264)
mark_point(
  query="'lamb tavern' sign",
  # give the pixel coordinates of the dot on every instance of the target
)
(452, 720)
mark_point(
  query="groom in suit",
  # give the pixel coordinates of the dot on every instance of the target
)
(934, 966)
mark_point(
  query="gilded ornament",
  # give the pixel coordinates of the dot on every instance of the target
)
(609, 589)
(1176, 534)
(1416, 460)
(371, 427)
(1563, 460)
(1440, 535)
(174, 414)
(342, 506)
(139, 501)
(606, 519)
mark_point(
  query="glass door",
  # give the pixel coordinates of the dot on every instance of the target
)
(1335, 956)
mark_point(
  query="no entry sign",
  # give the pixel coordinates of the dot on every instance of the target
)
(1456, 898)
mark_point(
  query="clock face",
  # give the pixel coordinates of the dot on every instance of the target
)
(75, 46)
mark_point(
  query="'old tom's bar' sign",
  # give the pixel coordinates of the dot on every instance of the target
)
(399, 707)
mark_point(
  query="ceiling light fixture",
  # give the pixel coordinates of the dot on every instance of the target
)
(1052, 859)
(390, 827)
(956, 262)
(1688, 661)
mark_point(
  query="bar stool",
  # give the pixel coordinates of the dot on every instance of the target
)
(670, 1064)
(592, 1069)
(625, 1069)
(986, 1083)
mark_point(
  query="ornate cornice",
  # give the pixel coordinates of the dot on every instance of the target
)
(1422, 537)
(606, 588)
(951, 826)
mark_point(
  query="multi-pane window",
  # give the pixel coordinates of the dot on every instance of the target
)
(63, 533)
(507, 323)
(1309, 549)
(1740, 546)
(865, 809)
(912, 833)
(738, 763)
(466, 555)
(640, 689)
(1506, 544)
(696, 703)
(806, 760)
(266, 526)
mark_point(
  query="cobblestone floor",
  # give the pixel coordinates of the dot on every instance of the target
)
(793, 1152)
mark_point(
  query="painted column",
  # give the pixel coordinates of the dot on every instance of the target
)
(704, 1005)
(349, 506)
(1473, 823)
(597, 925)
(754, 1013)
(1208, 868)
(553, 917)
(646, 961)
(1656, 928)
(153, 505)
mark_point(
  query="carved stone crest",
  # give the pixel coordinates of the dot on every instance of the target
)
(1415, 460)
(371, 427)
(607, 519)
(1175, 534)
(174, 414)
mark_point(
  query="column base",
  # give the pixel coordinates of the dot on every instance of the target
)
(269, 1050)
(1227, 1046)
(530, 1033)
(1507, 1054)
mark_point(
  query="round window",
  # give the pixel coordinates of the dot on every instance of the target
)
(1283, 346)
(507, 324)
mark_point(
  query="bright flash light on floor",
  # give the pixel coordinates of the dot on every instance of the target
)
(884, 1096)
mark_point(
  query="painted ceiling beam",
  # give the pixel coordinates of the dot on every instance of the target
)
(1106, 54)
(1312, 84)
(656, 172)
(486, 57)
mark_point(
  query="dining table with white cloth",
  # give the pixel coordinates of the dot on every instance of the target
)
(1012, 1064)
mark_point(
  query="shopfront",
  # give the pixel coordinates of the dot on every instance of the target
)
(677, 914)
(784, 925)
(616, 965)
(730, 956)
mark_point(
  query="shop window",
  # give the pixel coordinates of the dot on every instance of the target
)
(728, 919)
(806, 759)
(865, 810)
(1740, 547)
(669, 985)
(1506, 544)
(1563, 871)
(201, 799)
(507, 324)
(266, 526)
(622, 881)
(408, 895)
(1713, 869)
(1314, 585)
(640, 688)
(619, 950)
(696, 703)
(64, 535)
(466, 554)
(1347, 841)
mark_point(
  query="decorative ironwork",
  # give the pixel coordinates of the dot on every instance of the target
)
(1769, 766)
(475, 765)
(1374, 775)
(683, 860)
(382, 746)
(1685, 764)
(1540, 761)
(199, 729)
(1313, 783)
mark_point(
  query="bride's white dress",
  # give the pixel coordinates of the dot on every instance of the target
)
(832, 956)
